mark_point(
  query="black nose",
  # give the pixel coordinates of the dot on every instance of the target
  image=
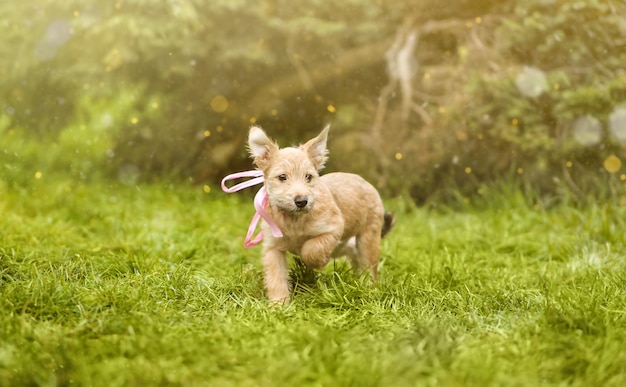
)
(300, 201)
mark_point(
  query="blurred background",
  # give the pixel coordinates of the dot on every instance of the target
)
(427, 99)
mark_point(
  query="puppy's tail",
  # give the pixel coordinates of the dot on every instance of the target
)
(389, 221)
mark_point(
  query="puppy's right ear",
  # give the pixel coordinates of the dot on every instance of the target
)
(261, 147)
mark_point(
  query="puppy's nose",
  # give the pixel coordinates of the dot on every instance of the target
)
(300, 201)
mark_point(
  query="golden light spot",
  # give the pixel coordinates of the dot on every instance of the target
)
(219, 129)
(622, 177)
(479, 191)
(399, 156)
(170, 54)
(76, 14)
(468, 170)
(38, 175)
(101, 84)
(478, 20)
(556, 86)
(219, 104)
(612, 164)
(427, 76)
(207, 133)
(252, 120)
(442, 110)
(261, 41)
(514, 122)
(469, 24)
(134, 120)
(331, 108)
(118, 5)
(569, 164)
(86, 86)
(206, 189)
(274, 112)
(155, 105)
(520, 171)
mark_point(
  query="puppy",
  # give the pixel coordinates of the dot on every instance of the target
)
(321, 217)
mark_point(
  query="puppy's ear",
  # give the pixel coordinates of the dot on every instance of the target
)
(316, 148)
(261, 147)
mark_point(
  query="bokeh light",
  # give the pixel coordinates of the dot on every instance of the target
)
(128, 174)
(612, 164)
(219, 104)
(531, 82)
(617, 123)
(57, 34)
(587, 130)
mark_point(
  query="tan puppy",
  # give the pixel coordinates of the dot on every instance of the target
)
(338, 214)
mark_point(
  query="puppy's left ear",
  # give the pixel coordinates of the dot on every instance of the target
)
(316, 148)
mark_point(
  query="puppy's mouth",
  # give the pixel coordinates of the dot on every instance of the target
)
(295, 206)
(297, 210)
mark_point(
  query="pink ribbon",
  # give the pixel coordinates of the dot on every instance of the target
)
(260, 202)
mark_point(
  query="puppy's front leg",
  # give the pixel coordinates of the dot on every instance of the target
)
(276, 276)
(316, 252)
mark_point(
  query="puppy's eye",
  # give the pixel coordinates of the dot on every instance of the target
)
(282, 177)
(308, 177)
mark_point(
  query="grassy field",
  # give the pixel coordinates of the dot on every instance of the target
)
(111, 285)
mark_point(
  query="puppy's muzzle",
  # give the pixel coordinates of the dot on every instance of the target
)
(301, 201)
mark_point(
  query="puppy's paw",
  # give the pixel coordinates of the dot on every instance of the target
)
(315, 261)
(279, 301)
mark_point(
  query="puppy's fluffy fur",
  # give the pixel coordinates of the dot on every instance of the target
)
(321, 217)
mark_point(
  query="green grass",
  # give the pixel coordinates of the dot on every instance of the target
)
(110, 285)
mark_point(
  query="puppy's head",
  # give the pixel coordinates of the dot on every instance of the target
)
(291, 174)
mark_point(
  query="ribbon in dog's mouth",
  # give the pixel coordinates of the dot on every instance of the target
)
(260, 203)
